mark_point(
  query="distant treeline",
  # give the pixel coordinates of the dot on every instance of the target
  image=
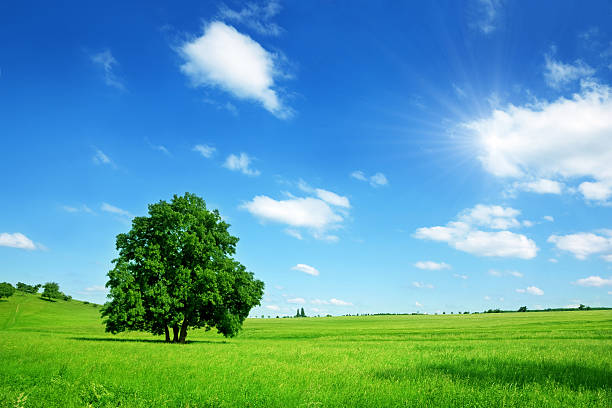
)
(51, 290)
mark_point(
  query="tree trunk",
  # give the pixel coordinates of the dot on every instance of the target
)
(167, 334)
(175, 331)
(183, 331)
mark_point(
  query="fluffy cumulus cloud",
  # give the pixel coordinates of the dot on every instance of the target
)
(432, 266)
(375, 180)
(273, 307)
(225, 58)
(532, 290)
(205, 150)
(297, 301)
(241, 163)
(310, 270)
(595, 281)
(565, 141)
(584, 244)
(318, 214)
(466, 236)
(16, 240)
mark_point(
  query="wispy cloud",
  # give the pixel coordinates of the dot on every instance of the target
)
(241, 163)
(375, 180)
(100, 158)
(486, 15)
(107, 62)
(205, 150)
(338, 302)
(254, 16)
(432, 266)
(115, 210)
(224, 58)
(558, 74)
(77, 209)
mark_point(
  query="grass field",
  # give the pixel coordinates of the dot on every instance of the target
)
(57, 355)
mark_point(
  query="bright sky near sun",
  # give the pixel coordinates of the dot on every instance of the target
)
(372, 156)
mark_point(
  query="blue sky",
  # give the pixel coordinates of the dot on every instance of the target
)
(372, 157)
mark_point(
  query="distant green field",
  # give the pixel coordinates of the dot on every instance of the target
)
(57, 355)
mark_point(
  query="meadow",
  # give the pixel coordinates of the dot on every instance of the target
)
(56, 354)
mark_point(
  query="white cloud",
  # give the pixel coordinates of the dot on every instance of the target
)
(548, 218)
(359, 175)
(80, 208)
(564, 140)
(491, 216)
(306, 269)
(553, 260)
(462, 236)
(319, 302)
(375, 180)
(532, 290)
(487, 298)
(254, 16)
(115, 210)
(299, 301)
(295, 234)
(17, 240)
(558, 73)
(308, 212)
(494, 272)
(486, 15)
(225, 58)
(101, 158)
(107, 62)
(432, 266)
(607, 258)
(338, 302)
(333, 198)
(205, 150)
(458, 276)
(422, 285)
(584, 244)
(595, 281)
(240, 163)
(417, 304)
(273, 307)
(541, 186)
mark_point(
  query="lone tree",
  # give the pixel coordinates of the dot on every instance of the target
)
(175, 271)
(51, 291)
(6, 290)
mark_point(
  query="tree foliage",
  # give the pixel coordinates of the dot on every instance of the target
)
(51, 290)
(175, 271)
(6, 290)
(24, 287)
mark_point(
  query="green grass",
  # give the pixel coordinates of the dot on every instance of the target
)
(56, 354)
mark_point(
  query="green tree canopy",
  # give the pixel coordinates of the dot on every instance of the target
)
(6, 290)
(175, 271)
(51, 291)
(24, 287)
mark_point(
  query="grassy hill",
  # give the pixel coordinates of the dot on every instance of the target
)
(56, 354)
